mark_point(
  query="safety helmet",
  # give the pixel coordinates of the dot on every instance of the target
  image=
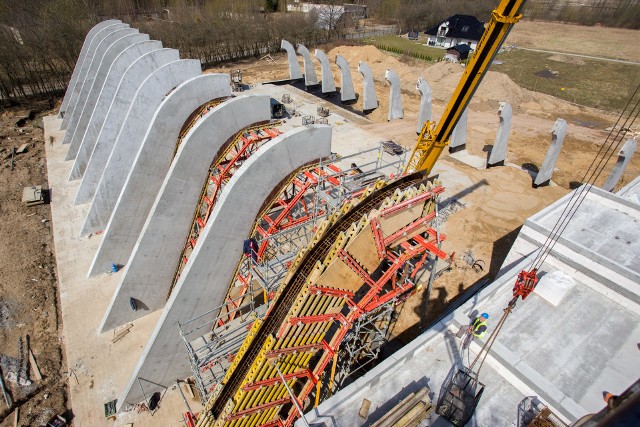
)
(485, 315)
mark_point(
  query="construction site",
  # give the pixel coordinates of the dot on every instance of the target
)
(315, 239)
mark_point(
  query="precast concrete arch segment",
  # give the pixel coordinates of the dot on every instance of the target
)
(86, 134)
(310, 76)
(347, 93)
(203, 284)
(369, 99)
(139, 117)
(328, 84)
(148, 275)
(294, 67)
(81, 58)
(395, 95)
(93, 161)
(86, 67)
(151, 165)
(78, 127)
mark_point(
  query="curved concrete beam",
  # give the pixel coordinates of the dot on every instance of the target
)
(147, 100)
(395, 95)
(133, 77)
(86, 134)
(347, 93)
(624, 157)
(310, 76)
(425, 103)
(94, 56)
(204, 282)
(78, 126)
(148, 275)
(558, 132)
(151, 165)
(295, 72)
(499, 150)
(101, 62)
(81, 58)
(369, 99)
(328, 84)
(458, 140)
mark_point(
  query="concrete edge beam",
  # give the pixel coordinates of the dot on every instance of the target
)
(204, 282)
(151, 165)
(84, 139)
(150, 269)
(95, 76)
(81, 58)
(90, 163)
(131, 136)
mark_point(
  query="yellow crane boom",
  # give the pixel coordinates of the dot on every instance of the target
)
(434, 138)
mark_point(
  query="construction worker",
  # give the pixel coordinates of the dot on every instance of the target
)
(479, 326)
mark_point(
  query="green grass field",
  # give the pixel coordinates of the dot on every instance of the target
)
(413, 47)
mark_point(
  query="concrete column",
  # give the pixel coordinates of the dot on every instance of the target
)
(295, 72)
(86, 133)
(369, 100)
(90, 163)
(96, 56)
(347, 93)
(204, 282)
(499, 150)
(81, 58)
(395, 95)
(149, 272)
(77, 129)
(545, 173)
(458, 140)
(151, 165)
(310, 76)
(425, 103)
(145, 103)
(328, 85)
(624, 157)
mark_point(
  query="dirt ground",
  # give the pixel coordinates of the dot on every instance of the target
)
(28, 290)
(504, 196)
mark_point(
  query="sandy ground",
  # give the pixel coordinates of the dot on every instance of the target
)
(28, 289)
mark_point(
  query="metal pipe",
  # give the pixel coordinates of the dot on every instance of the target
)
(293, 397)
(7, 397)
(184, 399)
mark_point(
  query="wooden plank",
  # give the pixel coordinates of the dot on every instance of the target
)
(394, 222)
(339, 275)
(34, 366)
(363, 248)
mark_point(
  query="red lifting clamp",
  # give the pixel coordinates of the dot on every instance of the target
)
(525, 284)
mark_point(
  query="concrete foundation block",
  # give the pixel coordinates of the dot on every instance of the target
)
(151, 165)
(90, 162)
(347, 92)
(97, 73)
(295, 73)
(84, 52)
(94, 58)
(206, 277)
(86, 133)
(624, 157)
(369, 99)
(395, 95)
(558, 132)
(499, 150)
(458, 140)
(139, 117)
(328, 85)
(149, 272)
(75, 133)
(310, 76)
(425, 103)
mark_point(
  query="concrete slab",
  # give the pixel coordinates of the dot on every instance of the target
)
(328, 84)
(558, 132)
(92, 67)
(151, 165)
(96, 159)
(105, 127)
(203, 284)
(87, 132)
(145, 103)
(295, 72)
(100, 367)
(310, 76)
(79, 63)
(631, 191)
(149, 272)
(76, 131)
(347, 92)
(369, 99)
(395, 95)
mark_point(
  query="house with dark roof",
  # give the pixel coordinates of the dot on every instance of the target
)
(455, 30)
(459, 52)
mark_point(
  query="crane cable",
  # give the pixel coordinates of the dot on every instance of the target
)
(577, 198)
(591, 175)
